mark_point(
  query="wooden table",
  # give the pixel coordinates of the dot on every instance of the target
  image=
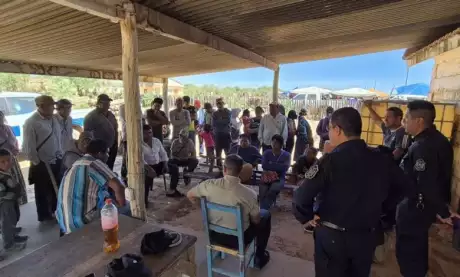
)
(80, 253)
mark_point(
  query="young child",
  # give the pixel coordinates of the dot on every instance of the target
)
(9, 208)
(208, 139)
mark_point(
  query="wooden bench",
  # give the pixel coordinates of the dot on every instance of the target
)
(80, 253)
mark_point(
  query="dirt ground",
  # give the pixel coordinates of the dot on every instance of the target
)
(287, 235)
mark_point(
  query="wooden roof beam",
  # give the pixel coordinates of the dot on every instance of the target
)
(444, 44)
(155, 22)
(62, 71)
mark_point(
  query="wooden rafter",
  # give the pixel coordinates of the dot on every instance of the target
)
(158, 23)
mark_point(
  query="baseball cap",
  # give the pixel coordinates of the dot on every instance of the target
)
(44, 99)
(104, 98)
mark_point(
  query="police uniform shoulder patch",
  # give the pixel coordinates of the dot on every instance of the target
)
(420, 165)
(311, 173)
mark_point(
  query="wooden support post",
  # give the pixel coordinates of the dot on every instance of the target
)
(276, 78)
(165, 97)
(133, 111)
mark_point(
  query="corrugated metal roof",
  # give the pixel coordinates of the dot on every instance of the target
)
(282, 30)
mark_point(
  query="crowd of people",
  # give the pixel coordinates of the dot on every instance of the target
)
(349, 198)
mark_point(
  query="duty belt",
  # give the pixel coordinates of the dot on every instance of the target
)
(333, 226)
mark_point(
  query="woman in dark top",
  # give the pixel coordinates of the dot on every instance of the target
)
(292, 116)
(254, 127)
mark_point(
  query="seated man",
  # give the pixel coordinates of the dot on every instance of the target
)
(183, 153)
(77, 150)
(85, 187)
(229, 191)
(156, 163)
(304, 163)
(275, 163)
(250, 155)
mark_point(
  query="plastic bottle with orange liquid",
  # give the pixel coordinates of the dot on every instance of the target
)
(109, 221)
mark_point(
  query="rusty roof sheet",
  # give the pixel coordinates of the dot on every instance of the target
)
(284, 31)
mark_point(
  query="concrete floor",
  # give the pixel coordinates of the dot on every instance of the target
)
(41, 234)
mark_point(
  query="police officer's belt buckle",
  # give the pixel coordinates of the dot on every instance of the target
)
(420, 205)
(332, 226)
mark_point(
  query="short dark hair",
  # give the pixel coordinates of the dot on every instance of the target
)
(349, 120)
(292, 114)
(5, 153)
(279, 139)
(146, 127)
(246, 112)
(260, 109)
(397, 112)
(157, 100)
(234, 164)
(186, 99)
(97, 146)
(329, 110)
(207, 105)
(207, 127)
(422, 109)
(246, 136)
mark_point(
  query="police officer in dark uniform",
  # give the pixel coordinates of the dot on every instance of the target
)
(428, 164)
(356, 185)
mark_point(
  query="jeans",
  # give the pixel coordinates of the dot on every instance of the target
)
(268, 193)
(192, 136)
(126, 209)
(190, 164)
(173, 171)
(265, 147)
(222, 141)
(8, 220)
(261, 232)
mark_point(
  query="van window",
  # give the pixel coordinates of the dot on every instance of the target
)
(20, 105)
(311, 97)
(3, 106)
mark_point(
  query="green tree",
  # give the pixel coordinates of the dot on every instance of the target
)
(13, 82)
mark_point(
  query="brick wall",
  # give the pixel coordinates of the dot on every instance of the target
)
(445, 86)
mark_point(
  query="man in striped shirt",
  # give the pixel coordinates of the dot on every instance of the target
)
(85, 187)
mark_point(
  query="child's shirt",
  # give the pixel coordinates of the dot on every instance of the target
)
(8, 187)
(208, 139)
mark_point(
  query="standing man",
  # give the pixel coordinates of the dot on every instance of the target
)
(221, 120)
(322, 130)
(103, 124)
(356, 184)
(179, 117)
(157, 118)
(192, 110)
(395, 137)
(64, 108)
(42, 146)
(272, 124)
(428, 164)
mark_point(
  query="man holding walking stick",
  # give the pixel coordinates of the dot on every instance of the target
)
(42, 145)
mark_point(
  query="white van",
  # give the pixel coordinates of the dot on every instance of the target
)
(18, 106)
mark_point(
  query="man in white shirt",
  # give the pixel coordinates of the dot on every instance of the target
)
(42, 146)
(179, 118)
(230, 192)
(156, 162)
(64, 108)
(272, 124)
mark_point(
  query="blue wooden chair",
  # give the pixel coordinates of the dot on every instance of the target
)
(245, 254)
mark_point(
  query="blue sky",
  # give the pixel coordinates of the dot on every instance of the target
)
(383, 70)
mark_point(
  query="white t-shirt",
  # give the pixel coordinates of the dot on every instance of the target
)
(155, 154)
